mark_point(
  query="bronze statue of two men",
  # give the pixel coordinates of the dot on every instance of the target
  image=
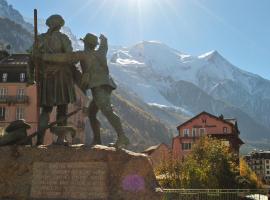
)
(56, 61)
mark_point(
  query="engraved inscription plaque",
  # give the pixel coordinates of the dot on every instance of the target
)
(69, 180)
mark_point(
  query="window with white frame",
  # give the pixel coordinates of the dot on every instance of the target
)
(4, 77)
(186, 132)
(3, 93)
(19, 113)
(194, 132)
(202, 131)
(22, 77)
(186, 146)
(225, 130)
(20, 93)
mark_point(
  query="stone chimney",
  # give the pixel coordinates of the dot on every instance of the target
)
(221, 116)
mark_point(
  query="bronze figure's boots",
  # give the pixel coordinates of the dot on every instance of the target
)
(122, 140)
(95, 125)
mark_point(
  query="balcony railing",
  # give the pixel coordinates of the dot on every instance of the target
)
(213, 194)
(14, 99)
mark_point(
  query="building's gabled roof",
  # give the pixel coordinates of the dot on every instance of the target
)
(213, 116)
(153, 148)
(231, 120)
(15, 60)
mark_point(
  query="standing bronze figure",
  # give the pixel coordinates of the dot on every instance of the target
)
(96, 77)
(56, 79)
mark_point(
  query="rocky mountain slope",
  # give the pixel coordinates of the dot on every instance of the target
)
(142, 127)
(15, 35)
(7, 11)
(18, 33)
(165, 77)
(14, 30)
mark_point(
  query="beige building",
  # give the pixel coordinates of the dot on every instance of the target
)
(259, 162)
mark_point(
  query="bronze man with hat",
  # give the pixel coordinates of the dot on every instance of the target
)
(56, 79)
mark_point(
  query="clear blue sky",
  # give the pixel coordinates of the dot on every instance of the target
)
(238, 29)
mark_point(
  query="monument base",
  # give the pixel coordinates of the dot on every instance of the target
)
(75, 173)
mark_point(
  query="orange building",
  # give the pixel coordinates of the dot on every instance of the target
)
(18, 101)
(205, 124)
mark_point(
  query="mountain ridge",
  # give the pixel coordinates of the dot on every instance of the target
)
(151, 76)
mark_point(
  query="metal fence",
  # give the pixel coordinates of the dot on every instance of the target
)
(214, 194)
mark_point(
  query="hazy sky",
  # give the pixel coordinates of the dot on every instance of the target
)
(238, 29)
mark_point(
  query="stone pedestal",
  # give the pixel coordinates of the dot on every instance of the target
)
(75, 173)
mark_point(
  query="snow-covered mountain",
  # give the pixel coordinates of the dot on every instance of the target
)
(169, 78)
(207, 71)
(76, 44)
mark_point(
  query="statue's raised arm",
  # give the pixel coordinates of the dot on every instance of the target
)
(103, 47)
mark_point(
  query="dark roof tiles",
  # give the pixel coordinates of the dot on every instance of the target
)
(15, 60)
